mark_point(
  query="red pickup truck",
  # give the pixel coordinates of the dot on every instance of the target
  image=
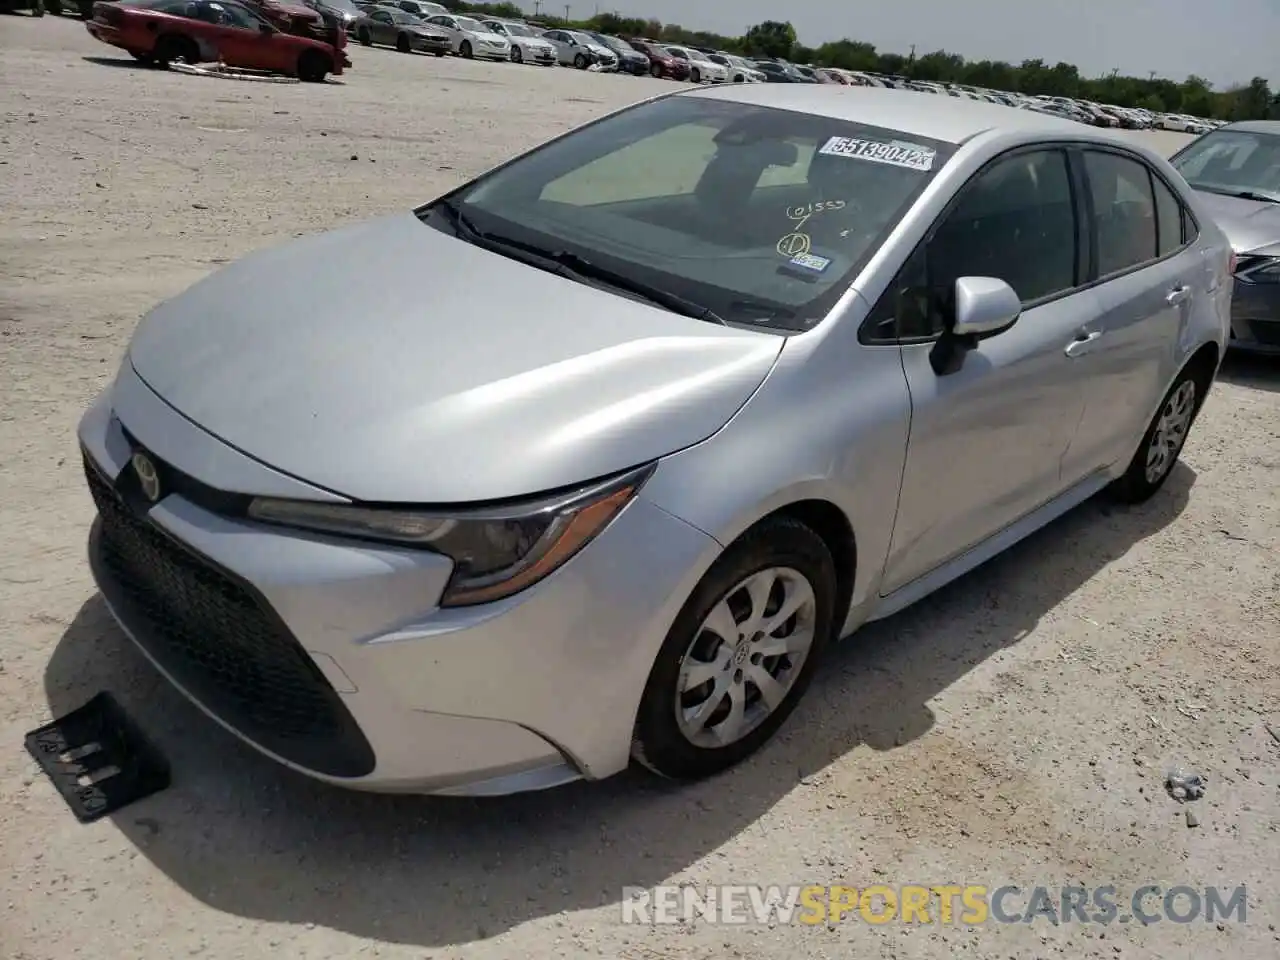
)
(224, 31)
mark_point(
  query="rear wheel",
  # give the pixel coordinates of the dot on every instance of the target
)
(655, 71)
(54, 7)
(313, 67)
(404, 44)
(173, 47)
(695, 76)
(466, 50)
(740, 653)
(1162, 443)
(364, 36)
(142, 57)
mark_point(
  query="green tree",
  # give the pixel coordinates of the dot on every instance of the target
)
(772, 38)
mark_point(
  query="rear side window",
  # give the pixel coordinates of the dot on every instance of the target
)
(1124, 209)
(1169, 219)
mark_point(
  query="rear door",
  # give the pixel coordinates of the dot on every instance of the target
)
(987, 439)
(1148, 279)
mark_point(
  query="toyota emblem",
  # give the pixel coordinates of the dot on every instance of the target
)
(148, 477)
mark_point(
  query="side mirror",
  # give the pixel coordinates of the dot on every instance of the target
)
(985, 306)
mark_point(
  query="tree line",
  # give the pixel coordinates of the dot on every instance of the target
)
(1194, 95)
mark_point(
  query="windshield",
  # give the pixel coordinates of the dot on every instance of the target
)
(399, 16)
(764, 216)
(466, 23)
(346, 6)
(518, 30)
(1233, 161)
(610, 42)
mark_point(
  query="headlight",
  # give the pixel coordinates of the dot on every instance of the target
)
(496, 551)
(1255, 269)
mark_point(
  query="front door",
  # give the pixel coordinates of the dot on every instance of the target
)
(987, 439)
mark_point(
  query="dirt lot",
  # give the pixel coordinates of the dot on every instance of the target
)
(1014, 729)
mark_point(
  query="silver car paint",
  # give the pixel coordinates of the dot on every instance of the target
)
(920, 469)
(454, 391)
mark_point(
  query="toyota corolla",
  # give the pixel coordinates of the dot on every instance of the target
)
(589, 459)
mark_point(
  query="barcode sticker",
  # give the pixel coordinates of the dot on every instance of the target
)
(894, 153)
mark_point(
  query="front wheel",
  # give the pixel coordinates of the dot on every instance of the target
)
(740, 653)
(1162, 443)
(404, 44)
(364, 36)
(695, 76)
(655, 71)
(516, 55)
(171, 47)
(313, 67)
(580, 61)
(466, 50)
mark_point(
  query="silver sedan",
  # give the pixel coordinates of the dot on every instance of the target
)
(750, 367)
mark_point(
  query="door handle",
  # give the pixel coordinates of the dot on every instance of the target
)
(1177, 295)
(1080, 345)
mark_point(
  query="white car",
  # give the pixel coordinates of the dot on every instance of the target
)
(579, 50)
(701, 70)
(526, 45)
(470, 38)
(739, 70)
(1175, 122)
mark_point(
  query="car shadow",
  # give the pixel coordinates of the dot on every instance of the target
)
(118, 62)
(1251, 370)
(252, 839)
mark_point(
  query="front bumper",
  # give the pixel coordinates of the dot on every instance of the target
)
(1255, 318)
(332, 657)
(433, 44)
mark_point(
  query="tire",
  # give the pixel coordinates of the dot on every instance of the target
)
(54, 7)
(516, 55)
(144, 58)
(660, 743)
(364, 36)
(465, 50)
(174, 46)
(440, 53)
(404, 44)
(580, 61)
(313, 66)
(1169, 429)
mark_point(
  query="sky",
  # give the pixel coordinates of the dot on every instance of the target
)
(1227, 42)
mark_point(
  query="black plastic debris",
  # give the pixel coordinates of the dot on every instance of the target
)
(98, 758)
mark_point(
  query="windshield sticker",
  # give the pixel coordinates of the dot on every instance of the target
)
(794, 245)
(895, 153)
(810, 261)
(806, 210)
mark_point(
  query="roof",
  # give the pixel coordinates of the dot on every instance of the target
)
(1254, 126)
(950, 119)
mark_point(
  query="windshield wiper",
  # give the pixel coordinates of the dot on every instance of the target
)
(1254, 195)
(571, 266)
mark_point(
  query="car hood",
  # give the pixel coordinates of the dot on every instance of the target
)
(390, 362)
(1248, 224)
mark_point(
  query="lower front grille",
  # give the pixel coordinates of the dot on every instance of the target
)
(221, 642)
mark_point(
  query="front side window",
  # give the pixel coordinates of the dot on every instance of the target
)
(1124, 210)
(1233, 162)
(1014, 221)
(762, 215)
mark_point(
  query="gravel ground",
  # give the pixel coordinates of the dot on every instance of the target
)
(1015, 728)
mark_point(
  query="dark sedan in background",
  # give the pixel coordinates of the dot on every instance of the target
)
(1236, 170)
(630, 60)
(396, 28)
